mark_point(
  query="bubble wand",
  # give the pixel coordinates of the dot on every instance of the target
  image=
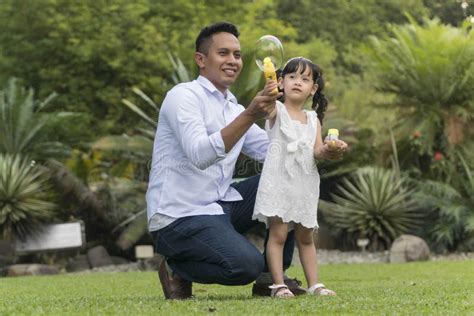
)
(269, 57)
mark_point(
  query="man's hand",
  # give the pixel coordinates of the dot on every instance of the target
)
(264, 102)
(332, 151)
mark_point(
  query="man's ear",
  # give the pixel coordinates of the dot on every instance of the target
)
(200, 59)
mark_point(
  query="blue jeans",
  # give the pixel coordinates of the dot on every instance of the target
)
(211, 249)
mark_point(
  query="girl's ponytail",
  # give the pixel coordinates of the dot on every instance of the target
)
(320, 102)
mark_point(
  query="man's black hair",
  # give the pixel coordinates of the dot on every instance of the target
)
(205, 36)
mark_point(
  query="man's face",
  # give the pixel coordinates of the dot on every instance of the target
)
(223, 61)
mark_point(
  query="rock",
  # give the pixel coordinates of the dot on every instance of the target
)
(79, 263)
(119, 268)
(99, 257)
(29, 269)
(407, 248)
(7, 253)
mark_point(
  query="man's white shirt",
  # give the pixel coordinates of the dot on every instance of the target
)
(190, 169)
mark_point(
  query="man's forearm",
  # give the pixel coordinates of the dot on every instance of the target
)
(261, 106)
(235, 130)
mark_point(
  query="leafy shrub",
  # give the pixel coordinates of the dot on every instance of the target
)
(24, 204)
(375, 204)
(452, 203)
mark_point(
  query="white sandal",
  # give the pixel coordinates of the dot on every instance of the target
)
(320, 289)
(280, 291)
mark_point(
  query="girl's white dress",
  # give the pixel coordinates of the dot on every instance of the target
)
(289, 184)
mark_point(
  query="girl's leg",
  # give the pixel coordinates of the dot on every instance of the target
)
(307, 250)
(274, 251)
(241, 217)
(309, 260)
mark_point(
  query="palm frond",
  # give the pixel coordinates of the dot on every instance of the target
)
(133, 232)
(146, 98)
(181, 73)
(23, 128)
(140, 112)
(138, 145)
(429, 68)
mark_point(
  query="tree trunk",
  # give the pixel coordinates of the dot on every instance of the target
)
(69, 184)
(454, 129)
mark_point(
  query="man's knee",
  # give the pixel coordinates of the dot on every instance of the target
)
(247, 268)
(254, 267)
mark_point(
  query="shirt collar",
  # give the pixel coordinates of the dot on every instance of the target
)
(209, 86)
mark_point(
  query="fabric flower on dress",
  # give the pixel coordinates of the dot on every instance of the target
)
(298, 149)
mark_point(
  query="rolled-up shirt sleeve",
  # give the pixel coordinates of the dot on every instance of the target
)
(186, 119)
(256, 143)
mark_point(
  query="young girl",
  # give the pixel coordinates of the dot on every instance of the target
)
(288, 193)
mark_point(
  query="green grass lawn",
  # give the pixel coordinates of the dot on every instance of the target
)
(412, 288)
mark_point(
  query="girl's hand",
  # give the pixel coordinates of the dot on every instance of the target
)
(271, 88)
(332, 151)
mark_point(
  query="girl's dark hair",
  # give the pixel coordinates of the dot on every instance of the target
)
(320, 102)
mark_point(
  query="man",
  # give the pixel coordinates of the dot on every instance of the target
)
(196, 216)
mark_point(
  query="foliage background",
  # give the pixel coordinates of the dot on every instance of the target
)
(94, 54)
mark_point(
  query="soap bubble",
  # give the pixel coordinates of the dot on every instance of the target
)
(269, 46)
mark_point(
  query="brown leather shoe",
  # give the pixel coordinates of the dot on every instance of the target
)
(174, 288)
(263, 289)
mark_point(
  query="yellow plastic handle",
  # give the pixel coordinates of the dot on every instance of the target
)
(269, 71)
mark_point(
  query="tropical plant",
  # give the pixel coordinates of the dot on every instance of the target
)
(429, 69)
(25, 128)
(452, 205)
(373, 203)
(24, 197)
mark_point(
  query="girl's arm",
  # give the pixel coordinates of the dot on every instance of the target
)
(271, 117)
(318, 144)
(323, 150)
